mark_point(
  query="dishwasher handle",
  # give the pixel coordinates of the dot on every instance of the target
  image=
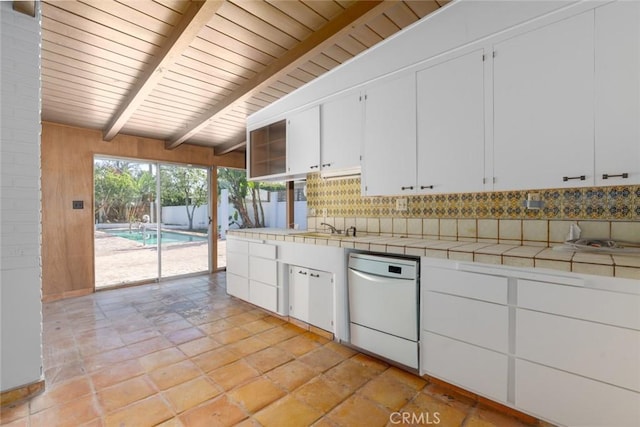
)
(376, 278)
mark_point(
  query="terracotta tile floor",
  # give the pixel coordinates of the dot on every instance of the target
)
(183, 353)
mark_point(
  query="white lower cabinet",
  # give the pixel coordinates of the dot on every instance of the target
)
(477, 369)
(238, 268)
(311, 296)
(564, 348)
(577, 354)
(263, 295)
(263, 276)
(573, 400)
(464, 332)
(253, 274)
(472, 321)
(238, 286)
(605, 353)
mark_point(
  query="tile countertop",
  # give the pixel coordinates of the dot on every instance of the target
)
(601, 264)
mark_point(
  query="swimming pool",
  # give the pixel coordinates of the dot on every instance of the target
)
(168, 237)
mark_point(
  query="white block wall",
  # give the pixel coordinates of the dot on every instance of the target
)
(20, 201)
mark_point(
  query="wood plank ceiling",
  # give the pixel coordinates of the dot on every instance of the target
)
(191, 71)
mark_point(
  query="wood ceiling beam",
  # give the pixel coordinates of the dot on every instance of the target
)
(197, 15)
(354, 15)
(229, 147)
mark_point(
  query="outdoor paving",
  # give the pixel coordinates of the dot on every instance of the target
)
(121, 261)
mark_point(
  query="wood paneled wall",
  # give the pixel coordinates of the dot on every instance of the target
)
(67, 175)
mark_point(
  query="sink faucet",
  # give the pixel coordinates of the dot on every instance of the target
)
(353, 229)
(333, 229)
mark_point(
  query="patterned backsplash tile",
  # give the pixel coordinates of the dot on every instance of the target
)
(342, 198)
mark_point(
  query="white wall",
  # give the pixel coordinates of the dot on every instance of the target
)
(20, 202)
(177, 215)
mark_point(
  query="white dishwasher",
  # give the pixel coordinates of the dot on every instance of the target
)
(384, 306)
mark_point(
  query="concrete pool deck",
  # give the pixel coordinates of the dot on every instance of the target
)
(121, 261)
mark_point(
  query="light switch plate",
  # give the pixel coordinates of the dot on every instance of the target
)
(401, 204)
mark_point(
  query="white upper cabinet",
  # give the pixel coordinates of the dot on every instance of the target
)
(450, 98)
(303, 142)
(544, 107)
(389, 161)
(617, 92)
(341, 136)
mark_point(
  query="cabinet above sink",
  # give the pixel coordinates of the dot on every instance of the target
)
(324, 138)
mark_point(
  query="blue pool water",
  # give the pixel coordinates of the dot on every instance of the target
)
(168, 237)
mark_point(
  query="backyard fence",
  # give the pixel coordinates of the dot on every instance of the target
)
(274, 214)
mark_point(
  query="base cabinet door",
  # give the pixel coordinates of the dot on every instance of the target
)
(474, 368)
(321, 299)
(263, 295)
(573, 400)
(570, 345)
(238, 286)
(311, 296)
(299, 293)
(238, 268)
(465, 319)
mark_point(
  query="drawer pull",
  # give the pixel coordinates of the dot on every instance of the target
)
(622, 175)
(302, 272)
(423, 187)
(314, 275)
(567, 178)
(408, 188)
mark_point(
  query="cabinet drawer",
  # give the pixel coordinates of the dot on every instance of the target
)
(262, 250)
(573, 400)
(238, 286)
(473, 285)
(239, 246)
(476, 322)
(583, 303)
(238, 264)
(263, 270)
(263, 295)
(474, 368)
(602, 352)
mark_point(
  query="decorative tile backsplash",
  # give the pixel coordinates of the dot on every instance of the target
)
(342, 198)
(498, 217)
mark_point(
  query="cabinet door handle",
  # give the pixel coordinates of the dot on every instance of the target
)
(423, 187)
(313, 167)
(408, 188)
(302, 272)
(326, 165)
(314, 275)
(622, 175)
(567, 178)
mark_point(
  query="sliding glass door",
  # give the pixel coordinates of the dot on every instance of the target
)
(151, 221)
(125, 222)
(184, 242)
